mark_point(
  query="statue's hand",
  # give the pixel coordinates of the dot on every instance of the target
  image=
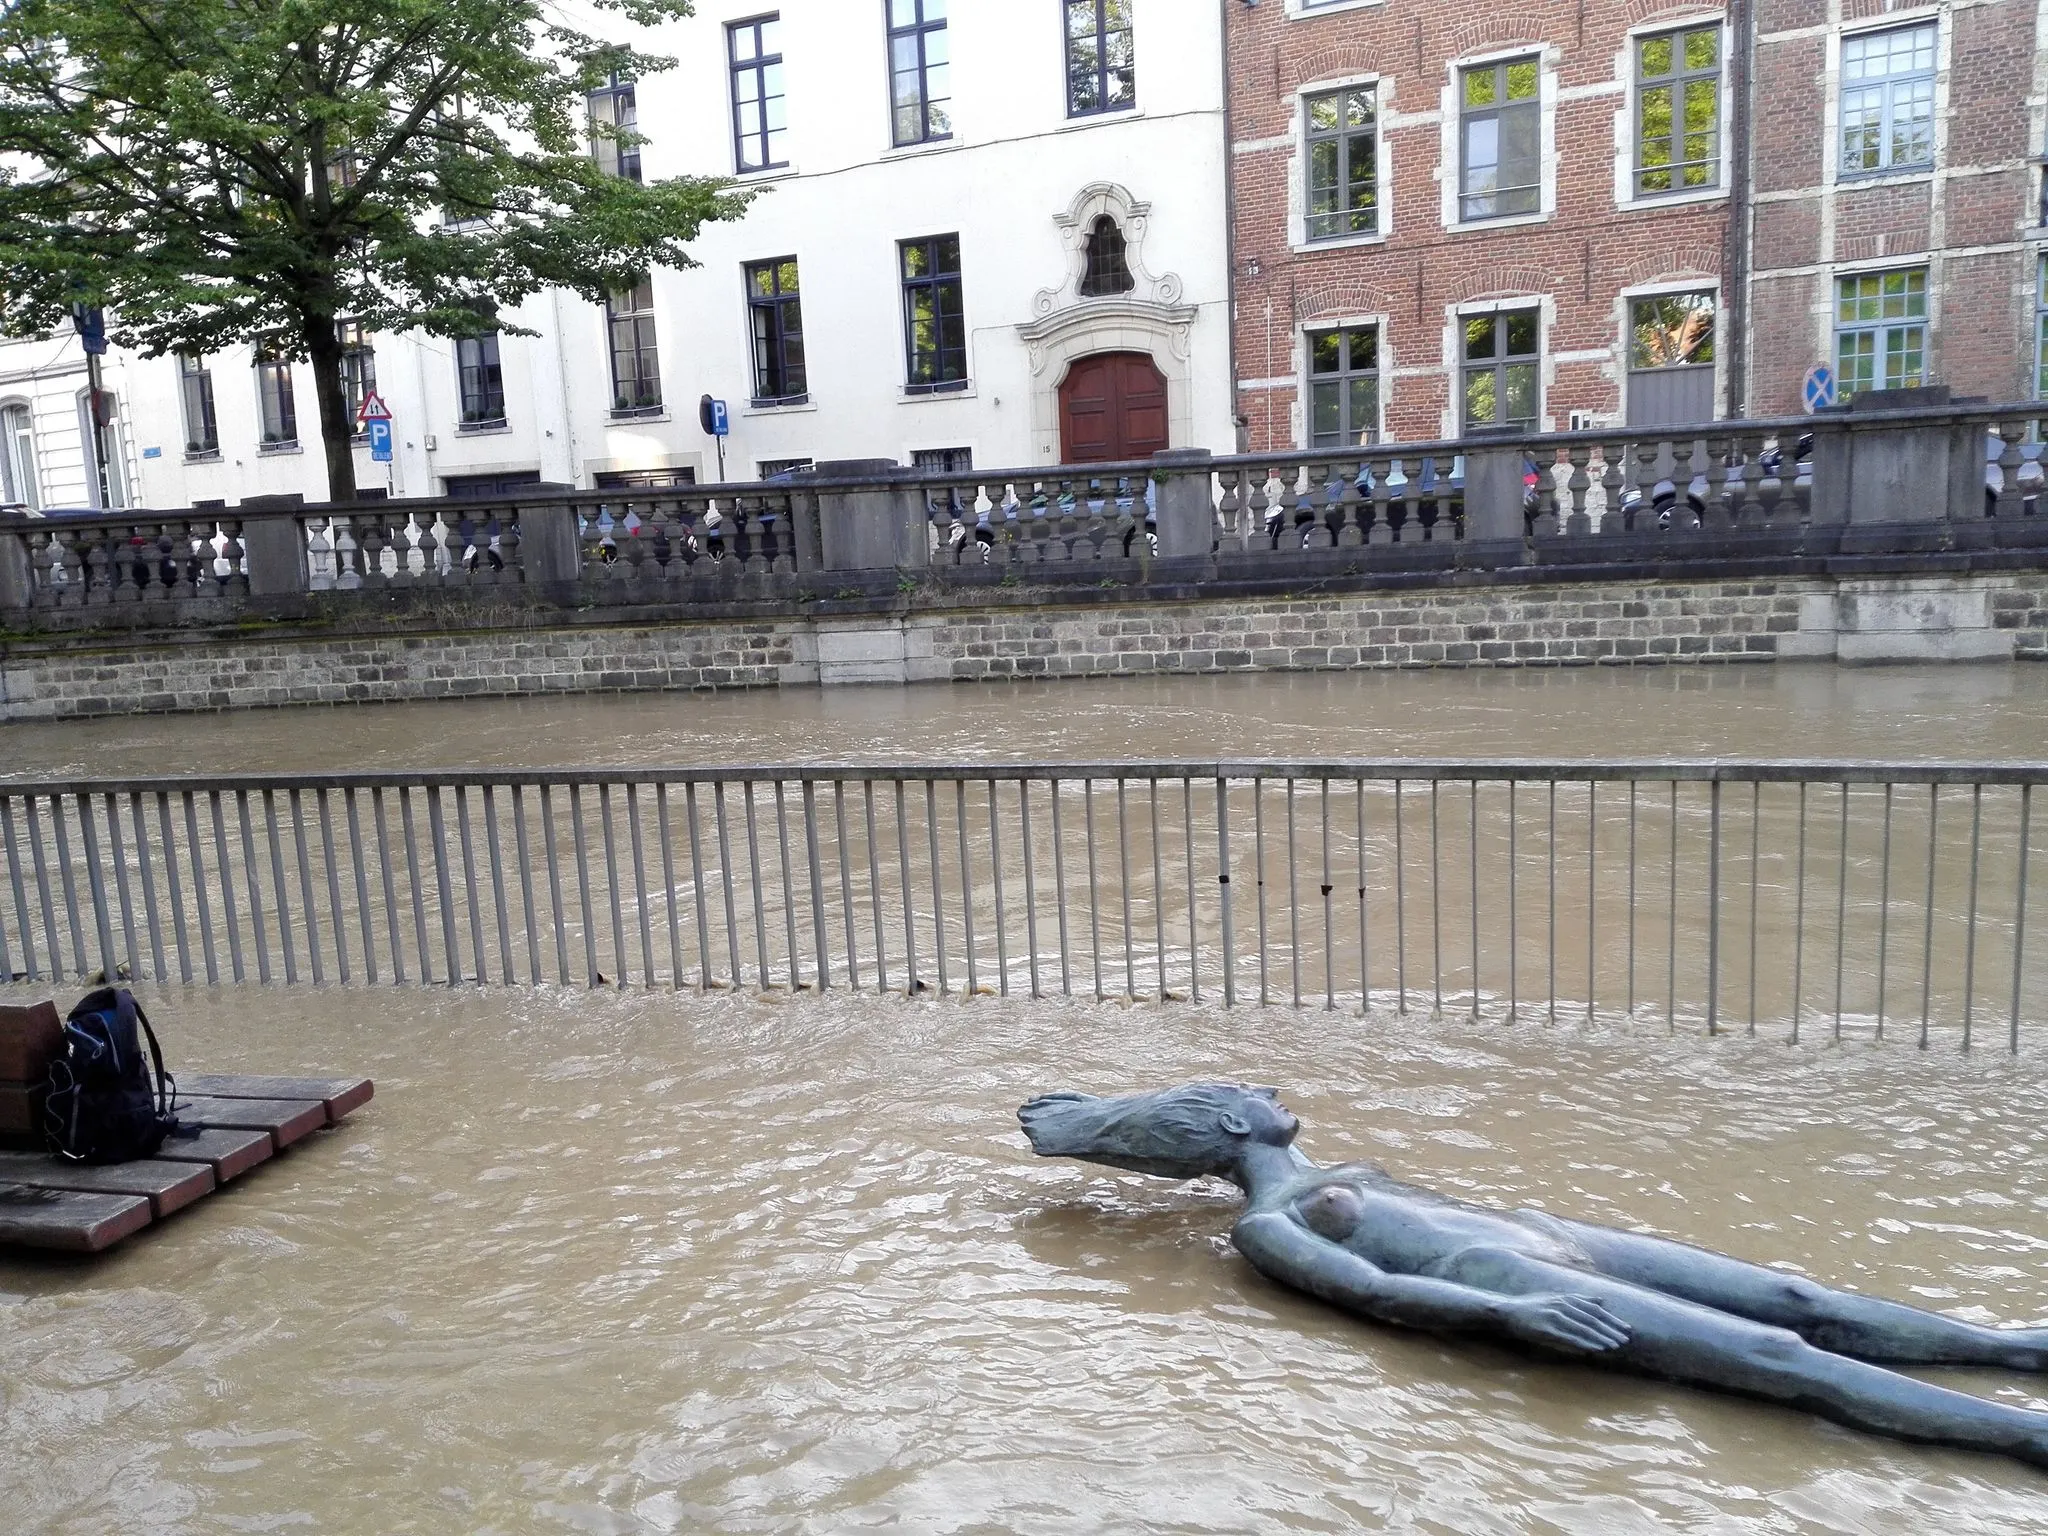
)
(1578, 1324)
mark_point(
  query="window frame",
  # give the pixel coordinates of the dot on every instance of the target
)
(273, 377)
(936, 281)
(1369, 91)
(619, 93)
(1460, 120)
(358, 371)
(1675, 80)
(1343, 378)
(920, 28)
(1881, 329)
(644, 349)
(773, 309)
(1886, 85)
(1099, 279)
(757, 65)
(1102, 71)
(483, 367)
(18, 459)
(195, 377)
(1498, 365)
(2041, 326)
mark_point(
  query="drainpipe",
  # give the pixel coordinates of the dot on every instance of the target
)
(1237, 419)
(1735, 266)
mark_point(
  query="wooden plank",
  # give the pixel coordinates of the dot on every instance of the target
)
(168, 1186)
(341, 1095)
(228, 1153)
(287, 1120)
(67, 1220)
(29, 1037)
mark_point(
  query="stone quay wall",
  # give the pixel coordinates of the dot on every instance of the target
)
(1972, 616)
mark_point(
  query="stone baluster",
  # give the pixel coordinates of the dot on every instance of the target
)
(235, 557)
(1576, 486)
(1646, 452)
(97, 567)
(1540, 506)
(319, 554)
(1352, 508)
(2011, 498)
(1374, 519)
(1615, 518)
(1229, 506)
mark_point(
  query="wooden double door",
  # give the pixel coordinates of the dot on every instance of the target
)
(1112, 407)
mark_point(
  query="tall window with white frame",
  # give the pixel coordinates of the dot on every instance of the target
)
(195, 394)
(480, 381)
(1503, 358)
(920, 98)
(1343, 163)
(775, 315)
(2041, 330)
(276, 409)
(1881, 330)
(636, 362)
(358, 369)
(18, 478)
(1678, 111)
(760, 123)
(1888, 100)
(934, 315)
(614, 112)
(1344, 386)
(1102, 63)
(1500, 139)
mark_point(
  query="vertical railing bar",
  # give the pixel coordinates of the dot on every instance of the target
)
(556, 913)
(24, 923)
(796, 973)
(664, 832)
(1222, 885)
(1123, 861)
(117, 854)
(845, 885)
(1514, 912)
(817, 885)
(1927, 940)
(2019, 924)
(1474, 807)
(1550, 925)
(1158, 894)
(334, 910)
(1592, 896)
(1632, 788)
(966, 885)
(1400, 903)
(931, 829)
(41, 864)
(1094, 902)
(494, 853)
(1329, 929)
(1259, 869)
(1293, 902)
(636, 841)
(732, 921)
(1970, 931)
(995, 855)
(227, 890)
(611, 881)
(199, 901)
(391, 922)
(911, 985)
(359, 866)
(94, 891)
(1187, 824)
(1671, 936)
(167, 833)
(444, 889)
(1436, 907)
(1714, 908)
(1842, 913)
(470, 895)
(697, 886)
(867, 788)
(280, 890)
(1059, 888)
(1755, 826)
(522, 850)
(754, 879)
(250, 873)
(1884, 909)
(1030, 883)
(580, 837)
(1364, 952)
(1799, 921)
(306, 886)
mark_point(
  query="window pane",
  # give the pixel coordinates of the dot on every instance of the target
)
(1703, 48)
(1326, 406)
(1481, 336)
(1521, 394)
(1326, 351)
(1480, 402)
(1656, 54)
(1365, 349)
(1521, 333)
(1480, 86)
(1522, 78)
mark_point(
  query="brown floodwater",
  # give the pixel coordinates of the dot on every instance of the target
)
(648, 1262)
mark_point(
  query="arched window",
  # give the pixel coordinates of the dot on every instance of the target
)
(18, 457)
(1107, 271)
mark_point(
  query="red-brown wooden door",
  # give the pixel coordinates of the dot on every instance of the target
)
(1112, 406)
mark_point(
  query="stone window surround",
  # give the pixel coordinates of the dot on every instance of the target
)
(1383, 153)
(1450, 156)
(1455, 315)
(1832, 176)
(1302, 423)
(1664, 288)
(1625, 198)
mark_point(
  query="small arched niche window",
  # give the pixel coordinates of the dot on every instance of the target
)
(1107, 272)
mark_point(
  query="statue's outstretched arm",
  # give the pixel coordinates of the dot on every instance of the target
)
(1280, 1248)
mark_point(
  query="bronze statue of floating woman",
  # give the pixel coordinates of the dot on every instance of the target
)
(1394, 1253)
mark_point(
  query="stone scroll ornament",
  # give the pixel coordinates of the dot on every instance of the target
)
(1363, 1241)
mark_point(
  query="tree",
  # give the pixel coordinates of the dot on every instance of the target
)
(253, 171)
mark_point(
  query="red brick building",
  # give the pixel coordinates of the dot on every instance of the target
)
(1449, 218)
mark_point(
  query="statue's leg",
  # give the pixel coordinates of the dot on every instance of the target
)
(1685, 1342)
(1866, 1327)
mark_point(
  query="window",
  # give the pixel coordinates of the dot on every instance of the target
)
(934, 317)
(1343, 164)
(775, 311)
(278, 411)
(358, 369)
(636, 365)
(614, 127)
(1880, 330)
(464, 197)
(754, 50)
(195, 391)
(775, 469)
(481, 379)
(1344, 386)
(1888, 100)
(1500, 140)
(2041, 331)
(1108, 270)
(1678, 111)
(942, 461)
(1501, 360)
(479, 487)
(18, 485)
(1102, 71)
(643, 479)
(918, 93)
(1671, 331)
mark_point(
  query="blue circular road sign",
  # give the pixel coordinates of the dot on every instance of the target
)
(1819, 390)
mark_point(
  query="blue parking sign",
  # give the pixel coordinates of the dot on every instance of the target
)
(1819, 391)
(379, 431)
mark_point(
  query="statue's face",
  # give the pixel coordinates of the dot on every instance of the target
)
(1262, 1117)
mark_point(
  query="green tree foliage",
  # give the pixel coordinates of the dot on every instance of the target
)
(217, 172)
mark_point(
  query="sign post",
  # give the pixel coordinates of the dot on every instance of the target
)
(91, 325)
(717, 424)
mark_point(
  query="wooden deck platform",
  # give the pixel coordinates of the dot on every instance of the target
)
(48, 1203)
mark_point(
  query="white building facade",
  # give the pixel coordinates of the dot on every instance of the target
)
(990, 233)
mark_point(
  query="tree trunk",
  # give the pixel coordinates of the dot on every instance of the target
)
(337, 426)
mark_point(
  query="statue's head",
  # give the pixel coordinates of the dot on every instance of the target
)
(1177, 1133)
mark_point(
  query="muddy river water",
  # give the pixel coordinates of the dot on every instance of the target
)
(647, 1262)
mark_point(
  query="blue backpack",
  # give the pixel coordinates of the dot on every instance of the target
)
(101, 1104)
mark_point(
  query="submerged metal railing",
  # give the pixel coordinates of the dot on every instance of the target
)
(1844, 898)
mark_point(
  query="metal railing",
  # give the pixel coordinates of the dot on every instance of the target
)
(1838, 898)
